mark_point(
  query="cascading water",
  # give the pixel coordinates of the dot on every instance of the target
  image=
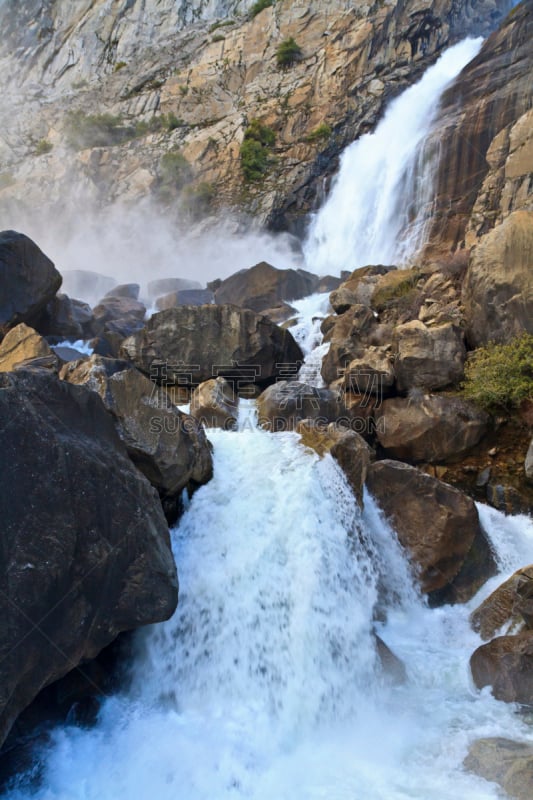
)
(266, 685)
(382, 195)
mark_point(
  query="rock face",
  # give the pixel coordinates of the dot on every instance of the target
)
(430, 429)
(479, 185)
(510, 605)
(85, 546)
(506, 664)
(192, 344)
(498, 291)
(23, 346)
(504, 761)
(215, 404)
(263, 287)
(28, 279)
(349, 450)
(437, 524)
(167, 446)
(142, 63)
(428, 358)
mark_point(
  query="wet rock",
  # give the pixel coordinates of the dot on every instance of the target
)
(497, 291)
(508, 763)
(86, 551)
(286, 403)
(528, 464)
(167, 446)
(508, 608)
(430, 429)
(28, 280)
(22, 347)
(436, 523)
(348, 448)
(215, 404)
(192, 344)
(428, 358)
(392, 666)
(478, 187)
(506, 665)
(263, 286)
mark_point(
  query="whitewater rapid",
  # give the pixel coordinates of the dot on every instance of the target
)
(265, 684)
(382, 196)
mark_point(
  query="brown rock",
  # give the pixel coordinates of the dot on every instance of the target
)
(428, 358)
(263, 286)
(505, 606)
(22, 347)
(341, 300)
(191, 344)
(430, 429)
(185, 297)
(215, 404)
(498, 291)
(349, 449)
(371, 373)
(28, 280)
(481, 107)
(436, 523)
(85, 545)
(505, 762)
(506, 664)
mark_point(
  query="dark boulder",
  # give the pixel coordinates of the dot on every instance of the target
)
(169, 447)
(286, 403)
(506, 665)
(28, 280)
(84, 549)
(192, 344)
(65, 318)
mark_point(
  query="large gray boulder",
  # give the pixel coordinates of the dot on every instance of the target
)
(193, 344)
(85, 545)
(28, 280)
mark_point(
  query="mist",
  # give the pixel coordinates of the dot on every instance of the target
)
(140, 243)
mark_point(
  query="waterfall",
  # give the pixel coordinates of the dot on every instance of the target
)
(266, 683)
(382, 196)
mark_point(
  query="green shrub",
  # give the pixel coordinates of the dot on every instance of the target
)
(322, 133)
(218, 37)
(260, 6)
(43, 147)
(95, 130)
(222, 23)
(255, 150)
(500, 376)
(120, 65)
(288, 53)
(260, 133)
